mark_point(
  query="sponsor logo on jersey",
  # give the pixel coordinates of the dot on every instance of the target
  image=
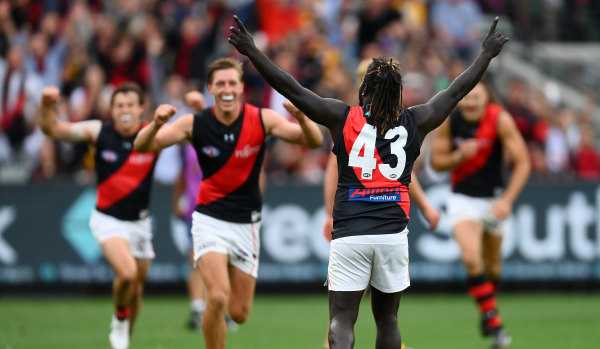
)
(247, 151)
(141, 159)
(375, 194)
(211, 151)
(109, 156)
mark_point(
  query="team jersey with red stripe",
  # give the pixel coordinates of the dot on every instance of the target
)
(124, 176)
(231, 158)
(481, 175)
(374, 172)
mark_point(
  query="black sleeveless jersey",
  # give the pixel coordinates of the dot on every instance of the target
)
(124, 175)
(374, 173)
(231, 159)
(480, 175)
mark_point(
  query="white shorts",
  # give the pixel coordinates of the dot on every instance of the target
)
(137, 233)
(240, 241)
(379, 260)
(462, 207)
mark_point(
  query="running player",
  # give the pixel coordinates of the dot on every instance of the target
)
(121, 220)
(376, 145)
(229, 140)
(471, 144)
(186, 188)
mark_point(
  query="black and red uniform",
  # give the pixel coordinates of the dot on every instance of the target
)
(480, 175)
(124, 176)
(374, 172)
(231, 159)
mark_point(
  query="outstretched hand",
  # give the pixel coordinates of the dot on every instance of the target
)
(294, 111)
(494, 40)
(240, 38)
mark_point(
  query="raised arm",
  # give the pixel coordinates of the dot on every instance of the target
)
(84, 131)
(155, 137)
(305, 132)
(325, 111)
(431, 114)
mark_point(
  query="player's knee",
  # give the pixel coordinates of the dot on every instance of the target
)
(239, 315)
(340, 332)
(217, 300)
(127, 274)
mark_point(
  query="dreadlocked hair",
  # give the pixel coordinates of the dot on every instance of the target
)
(383, 76)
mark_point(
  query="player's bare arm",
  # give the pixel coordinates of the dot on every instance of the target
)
(329, 188)
(305, 132)
(431, 214)
(431, 114)
(157, 135)
(325, 111)
(84, 131)
(443, 158)
(513, 143)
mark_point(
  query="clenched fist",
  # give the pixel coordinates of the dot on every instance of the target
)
(50, 96)
(195, 100)
(163, 113)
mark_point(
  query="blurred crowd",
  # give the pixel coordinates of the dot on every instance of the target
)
(87, 48)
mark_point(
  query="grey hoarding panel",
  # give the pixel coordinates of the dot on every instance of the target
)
(553, 235)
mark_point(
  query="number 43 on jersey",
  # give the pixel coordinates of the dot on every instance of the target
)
(368, 163)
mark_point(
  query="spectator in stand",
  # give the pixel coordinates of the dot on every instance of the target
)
(517, 99)
(587, 157)
(46, 54)
(377, 17)
(557, 146)
(455, 25)
(277, 18)
(20, 140)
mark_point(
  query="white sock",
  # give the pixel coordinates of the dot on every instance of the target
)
(198, 305)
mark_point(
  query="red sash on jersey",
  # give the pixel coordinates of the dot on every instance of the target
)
(126, 179)
(487, 131)
(237, 169)
(354, 124)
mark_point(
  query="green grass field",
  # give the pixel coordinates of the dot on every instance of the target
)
(299, 322)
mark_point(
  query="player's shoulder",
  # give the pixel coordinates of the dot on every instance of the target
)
(505, 123)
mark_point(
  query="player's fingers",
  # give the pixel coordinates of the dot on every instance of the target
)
(239, 23)
(505, 40)
(493, 28)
